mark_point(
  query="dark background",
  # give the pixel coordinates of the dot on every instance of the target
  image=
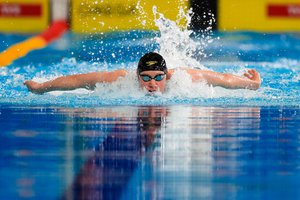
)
(201, 8)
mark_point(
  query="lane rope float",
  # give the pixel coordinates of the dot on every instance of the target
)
(21, 49)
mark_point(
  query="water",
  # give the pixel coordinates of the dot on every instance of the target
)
(193, 142)
(275, 56)
(156, 152)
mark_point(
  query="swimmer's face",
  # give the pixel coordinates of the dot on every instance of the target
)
(153, 81)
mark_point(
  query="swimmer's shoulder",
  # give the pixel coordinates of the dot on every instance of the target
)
(172, 71)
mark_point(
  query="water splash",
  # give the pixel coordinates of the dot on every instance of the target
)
(180, 47)
(176, 43)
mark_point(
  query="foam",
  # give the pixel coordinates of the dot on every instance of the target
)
(124, 87)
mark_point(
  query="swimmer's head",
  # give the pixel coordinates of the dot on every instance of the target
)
(152, 62)
(152, 72)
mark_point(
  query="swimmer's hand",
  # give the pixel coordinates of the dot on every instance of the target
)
(34, 87)
(254, 76)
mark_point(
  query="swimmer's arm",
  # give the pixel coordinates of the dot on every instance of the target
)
(251, 79)
(72, 82)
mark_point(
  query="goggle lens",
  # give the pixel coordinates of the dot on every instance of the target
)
(148, 78)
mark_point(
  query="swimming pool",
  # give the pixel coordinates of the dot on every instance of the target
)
(193, 142)
(149, 152)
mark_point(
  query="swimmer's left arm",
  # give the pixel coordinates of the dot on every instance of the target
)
(251, 79)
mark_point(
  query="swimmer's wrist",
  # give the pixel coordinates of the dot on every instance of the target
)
(255, 85)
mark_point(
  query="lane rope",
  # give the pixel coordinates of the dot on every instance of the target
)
(21, 49)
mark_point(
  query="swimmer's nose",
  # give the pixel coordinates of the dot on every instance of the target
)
(152, 86)
(152, 82)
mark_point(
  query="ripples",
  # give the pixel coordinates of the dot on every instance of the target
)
(173, 152)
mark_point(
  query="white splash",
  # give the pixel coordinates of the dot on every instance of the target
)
(179, 50)
(124, 87)
(180, 86)
(175, 41)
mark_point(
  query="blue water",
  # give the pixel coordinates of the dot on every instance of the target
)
(220, 144)
(142, 152)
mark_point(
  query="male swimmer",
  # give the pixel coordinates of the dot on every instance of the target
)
(152, 75)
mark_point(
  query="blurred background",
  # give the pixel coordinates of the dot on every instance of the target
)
(43, 21)
(94, 16)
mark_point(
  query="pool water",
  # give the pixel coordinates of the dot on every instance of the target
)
(193, 142)
(275, 56)
(150, 152)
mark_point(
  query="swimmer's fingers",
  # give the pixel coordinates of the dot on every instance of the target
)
(252, 74)
(30, 84)
(255, 74)
(247, 75)
(27, 82)
(33, 87)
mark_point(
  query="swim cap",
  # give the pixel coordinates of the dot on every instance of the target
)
(152, 62)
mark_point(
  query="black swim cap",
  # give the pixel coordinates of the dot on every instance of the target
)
(152, 62)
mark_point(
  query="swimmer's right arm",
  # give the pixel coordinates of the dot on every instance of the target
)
(72, 82)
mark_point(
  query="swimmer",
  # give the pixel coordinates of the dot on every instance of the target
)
(153, 76)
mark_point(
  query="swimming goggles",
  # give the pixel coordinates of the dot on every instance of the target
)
(147, 78)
